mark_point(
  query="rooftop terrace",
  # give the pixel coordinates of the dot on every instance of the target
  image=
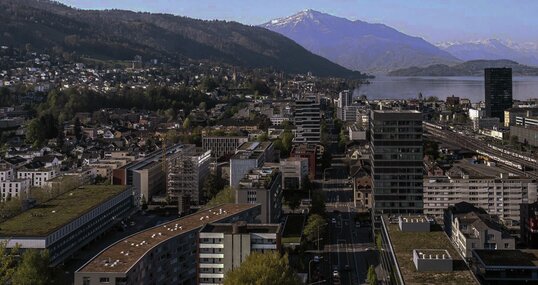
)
(122, 255)
(405, 242)
(53, 214)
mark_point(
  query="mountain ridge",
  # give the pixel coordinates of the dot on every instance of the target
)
(358, 45)
(493, 49)
(468, 68)
(121, 34)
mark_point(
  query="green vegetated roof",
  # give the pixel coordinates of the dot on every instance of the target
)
(51, 215)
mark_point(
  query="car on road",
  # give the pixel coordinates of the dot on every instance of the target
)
(333, 221)
(336, 273)
(347, 268)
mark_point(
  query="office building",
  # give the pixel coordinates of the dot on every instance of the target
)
(262, 186)
(307, 117)
(498, 91)
(164, 254)
(68, 222)
(416, 251)
(396, 158)
(222, 146)
(248, 156)
(471, 228)
(223, 247)
(186, 170)
(487, 187)
(294, 171)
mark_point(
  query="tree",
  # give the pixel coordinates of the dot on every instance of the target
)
(378, 241)
(78, 129)
(33, 268)
(187, 123)
(318, 203)
(372, 276)
(263, 269)
(226, 195)
(212, 186)
(7, 262)
(315, 222)
(293, 200)
(263, 137)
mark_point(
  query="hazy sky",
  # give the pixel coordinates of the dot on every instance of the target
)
(434, 20)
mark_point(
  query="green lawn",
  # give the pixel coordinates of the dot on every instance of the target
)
(45, 218)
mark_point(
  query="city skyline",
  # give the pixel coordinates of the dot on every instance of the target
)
(437, 22)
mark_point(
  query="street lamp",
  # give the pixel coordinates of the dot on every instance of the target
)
(315, 259)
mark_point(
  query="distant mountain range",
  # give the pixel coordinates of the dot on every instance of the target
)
(469, 68)
(493, 49)
(358, 45)
(121, 35)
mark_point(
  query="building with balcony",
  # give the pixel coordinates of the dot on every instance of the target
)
(487, 187)
(164, 254)
(223, 247)
(471, 228)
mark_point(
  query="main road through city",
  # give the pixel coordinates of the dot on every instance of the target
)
(350, 250)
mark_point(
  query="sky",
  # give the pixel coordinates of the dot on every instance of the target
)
(434, 20)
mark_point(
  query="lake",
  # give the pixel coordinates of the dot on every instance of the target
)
(385, 87)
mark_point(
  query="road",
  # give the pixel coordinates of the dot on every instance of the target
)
(350, 248)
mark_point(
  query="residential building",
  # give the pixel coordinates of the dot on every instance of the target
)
(363, 192)
(222, 145)
(248, 156)
(472, 228)
(396, 158)
(308, 151)
(262, 186)
(223, 247)
(164, 254)
(415, 251)
(487, 187)
(294, 171)
(37, 176)
(65, 224)
(14, 188)
(307, 118)
(498, 91)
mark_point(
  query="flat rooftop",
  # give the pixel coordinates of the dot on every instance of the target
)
(45, 218)
(128, 251)
(249, 228)
(404, 243)
(508, 258)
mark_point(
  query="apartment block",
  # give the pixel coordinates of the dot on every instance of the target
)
(471, 228)
(164, 254)
(223, 247)
(487, 187)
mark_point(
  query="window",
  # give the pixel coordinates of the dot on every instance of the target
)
(85, 280)
(506, 245)
(104, 280)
